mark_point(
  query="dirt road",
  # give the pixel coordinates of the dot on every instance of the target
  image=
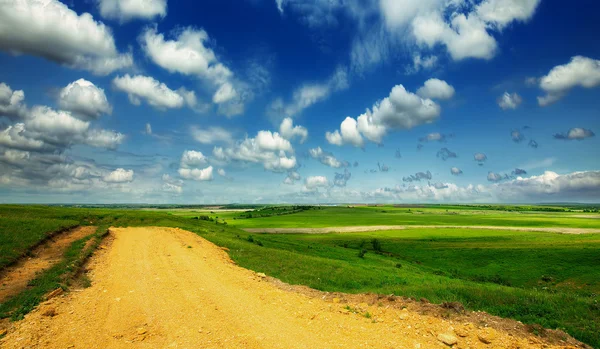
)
(15, 278)
(367, 228)
(168, 288)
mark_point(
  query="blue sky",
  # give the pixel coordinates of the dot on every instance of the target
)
(299, 101)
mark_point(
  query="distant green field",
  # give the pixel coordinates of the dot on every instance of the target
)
(535, 277)
(344, 216)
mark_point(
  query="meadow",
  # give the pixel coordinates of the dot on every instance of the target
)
(536, 277)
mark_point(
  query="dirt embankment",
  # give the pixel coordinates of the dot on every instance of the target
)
(168, 288)
(15, 278)
(367, 228)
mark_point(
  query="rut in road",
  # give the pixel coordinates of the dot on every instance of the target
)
(169, 288)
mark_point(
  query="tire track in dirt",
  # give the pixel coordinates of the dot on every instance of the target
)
(15, 278)
(169, 288)
(368, 228)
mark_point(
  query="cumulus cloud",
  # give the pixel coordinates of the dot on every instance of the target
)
(192, 158)
(456, 171)
(119, 175)
(84, 99)
(314, 182)
(189, 54)
(400, 110)
(152, 91)
(148, 129)
(309, 94)
(446, 154)
(126, 10)
(575, 134)
(326, 158)
(436, 89)
(551, 186)
(268, 148)
(417, 177)
(197, 174)
(341, 179)
(434, 137)
(11, 102)
(480, 158)
(509, 101)
(496, 177)
(579, 72)
(518, 172)
(422, 63)
(289, 131)
(51, 30)
(211, 135)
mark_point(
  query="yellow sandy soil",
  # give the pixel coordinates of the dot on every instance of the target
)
(168, 288)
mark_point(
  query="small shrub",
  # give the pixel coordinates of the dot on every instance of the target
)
(376, 245)
(398, 265)
(361, 253)
(259, 243)
(250, 238)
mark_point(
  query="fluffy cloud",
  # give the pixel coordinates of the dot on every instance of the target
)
(551, 186)
(509, 101)
(155, 93)
(580, 71)
(341, 179)
(309, 94)
(125, 10)
(436, 89)
(400, 110)
(119, 175)
(11, 102)
(49, 29)
(289, 131)
(211, 135)
(84, 99)
(456, 171)
(189, 54)
(192, 158)
(197, 174)
(313, 182)
(291, 178)
(422, 63)
(434, 137)
(575, 134)
(268, 148)
(480, 158)
(326, 158)
(496, 177)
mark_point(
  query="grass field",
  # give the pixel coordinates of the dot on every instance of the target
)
(535, 277)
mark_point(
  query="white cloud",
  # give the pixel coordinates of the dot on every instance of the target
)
(400, 110)
(211, 135)
(503, 12)
(48, 28)
(119, 175)
(192, 158)
(579, 72)
(313, 182)
(436, 89)
(291, 178)
(84, 99)
(509, 101)
(222, 172)
(189, 54)
(289, 131)
(456, 171)
(11, 102)
(155, 93)
(125, 10)
(172, 188)
(422, 63)
(268, 148)
(309, 94)
(205, 174)
(104, 139)
(551, 186)
(326, 158)
(576, 133)
(148, 129)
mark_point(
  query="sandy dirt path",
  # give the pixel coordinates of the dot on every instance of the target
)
(367, 228)
(15, 278)
(168, 288)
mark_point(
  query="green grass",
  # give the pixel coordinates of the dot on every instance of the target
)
(18, 235)
(344, 216)
(537, 278)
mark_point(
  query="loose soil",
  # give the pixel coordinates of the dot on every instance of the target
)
(169, 288)
(367, 228)
(15, 278)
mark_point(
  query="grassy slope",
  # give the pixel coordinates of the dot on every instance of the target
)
(472, 267)
(342, 216)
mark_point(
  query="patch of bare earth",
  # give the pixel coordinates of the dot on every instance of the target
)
(368, 228)
(15, 278)
(169, 288)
